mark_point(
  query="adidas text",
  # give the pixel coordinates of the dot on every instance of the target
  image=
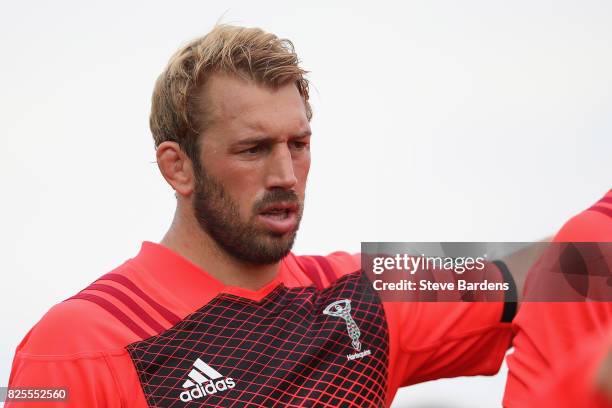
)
(209, 388)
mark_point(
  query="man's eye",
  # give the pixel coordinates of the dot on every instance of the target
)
(252, 150)
(299, 145)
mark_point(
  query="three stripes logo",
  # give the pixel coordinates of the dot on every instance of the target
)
(204, 380)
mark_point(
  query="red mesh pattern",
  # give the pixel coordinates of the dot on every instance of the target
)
(281, 351)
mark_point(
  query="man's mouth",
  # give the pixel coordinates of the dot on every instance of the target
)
(279, 208)
(279, 213)
(280, 217)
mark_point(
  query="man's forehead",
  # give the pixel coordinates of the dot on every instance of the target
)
(234, 102)
(297, 129)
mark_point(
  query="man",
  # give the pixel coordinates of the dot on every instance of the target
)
(549, 333)
(221, 313)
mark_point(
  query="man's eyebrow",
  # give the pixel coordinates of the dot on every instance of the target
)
(305, 133)
(269, 139)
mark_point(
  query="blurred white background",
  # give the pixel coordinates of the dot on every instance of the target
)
(434, 120)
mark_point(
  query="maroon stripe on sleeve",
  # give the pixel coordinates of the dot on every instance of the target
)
(310, 269)
(600, 208)
(327, 268)
(114, 310)
(130, 303)
(606, 200)
(167, 314)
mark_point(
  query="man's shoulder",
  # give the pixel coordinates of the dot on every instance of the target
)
(320, 270)
(80, 325)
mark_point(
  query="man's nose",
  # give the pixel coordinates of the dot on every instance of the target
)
(280, 171)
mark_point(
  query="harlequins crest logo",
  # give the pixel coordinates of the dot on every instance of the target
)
(342, 308)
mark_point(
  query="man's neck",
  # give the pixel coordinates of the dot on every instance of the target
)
(192, 243)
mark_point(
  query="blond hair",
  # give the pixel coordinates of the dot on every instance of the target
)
(178, 113)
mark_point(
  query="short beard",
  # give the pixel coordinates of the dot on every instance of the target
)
(219, 216)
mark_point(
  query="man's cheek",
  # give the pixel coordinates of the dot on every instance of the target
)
(249, 209)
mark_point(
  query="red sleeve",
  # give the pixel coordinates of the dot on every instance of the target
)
(440, 340)
(78, 347)
(573, 380)
(88, 379)
(546, 333)
(432, 340)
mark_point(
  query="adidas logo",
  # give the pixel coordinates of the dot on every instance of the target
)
(204, 380)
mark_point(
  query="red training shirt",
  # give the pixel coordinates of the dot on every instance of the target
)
(159, 331)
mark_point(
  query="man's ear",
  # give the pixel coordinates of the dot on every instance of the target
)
(176, 167)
